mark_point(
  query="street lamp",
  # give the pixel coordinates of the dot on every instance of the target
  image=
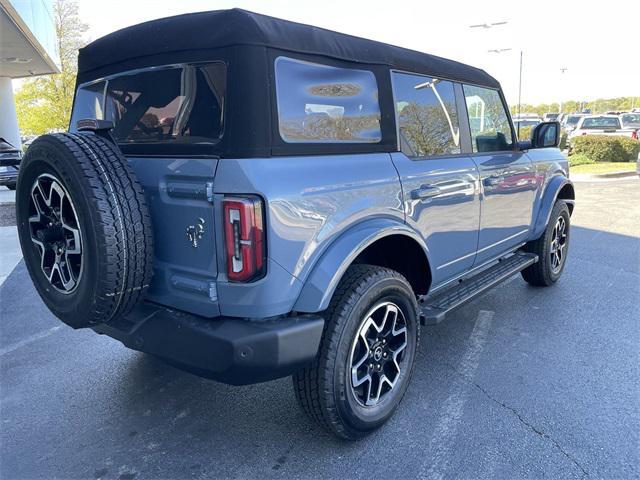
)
(486, 26)
(502, 50)
(563, 70)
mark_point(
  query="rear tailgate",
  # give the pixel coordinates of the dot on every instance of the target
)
(178, 193)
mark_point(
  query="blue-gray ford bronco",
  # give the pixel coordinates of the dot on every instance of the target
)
(249, 198)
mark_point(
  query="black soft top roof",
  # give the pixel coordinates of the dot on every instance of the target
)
(226, 28)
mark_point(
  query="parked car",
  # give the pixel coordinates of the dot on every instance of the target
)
(601, 125)
(550, 117)
(276, 199)
(630, 121)
(524, 127)
(10, 158)
(570, 121)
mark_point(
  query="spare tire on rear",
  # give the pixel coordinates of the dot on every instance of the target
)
(84, 228)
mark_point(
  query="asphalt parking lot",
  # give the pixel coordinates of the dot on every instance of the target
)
(521, 383)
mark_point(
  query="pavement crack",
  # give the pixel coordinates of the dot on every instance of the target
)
(524, 421)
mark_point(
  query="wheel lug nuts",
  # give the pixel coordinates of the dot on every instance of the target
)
(384, 354)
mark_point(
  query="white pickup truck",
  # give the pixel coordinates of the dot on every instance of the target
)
(602, 125)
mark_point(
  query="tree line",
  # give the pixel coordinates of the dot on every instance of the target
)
(601, 105)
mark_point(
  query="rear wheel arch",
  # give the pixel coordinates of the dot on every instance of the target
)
(367, 244)
(403, 254)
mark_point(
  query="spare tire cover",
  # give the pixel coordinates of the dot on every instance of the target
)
(84, 228)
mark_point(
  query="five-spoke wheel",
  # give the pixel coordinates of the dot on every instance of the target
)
(56, 233)
(367, 353)
(558, 244)
(551, 248)
(376, 354)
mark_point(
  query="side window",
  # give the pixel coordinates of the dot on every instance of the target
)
(426, 115)
(488, 120)
(324, 104)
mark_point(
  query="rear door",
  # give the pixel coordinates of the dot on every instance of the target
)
(439, 182)
(179, 193)
(507, 176)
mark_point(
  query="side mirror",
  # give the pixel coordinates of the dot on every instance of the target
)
(545, 135)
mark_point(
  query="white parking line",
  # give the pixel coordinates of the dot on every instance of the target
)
(10, 251)
(28, 340)
(451, 411)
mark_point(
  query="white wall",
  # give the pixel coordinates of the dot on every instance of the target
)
(8, 119)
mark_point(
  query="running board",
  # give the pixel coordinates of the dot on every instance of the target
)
(436, 307)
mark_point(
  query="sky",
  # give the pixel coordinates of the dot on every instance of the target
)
(593, 40)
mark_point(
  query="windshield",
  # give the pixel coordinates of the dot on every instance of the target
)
(573, 120)
(601, 122)
(526, 123)
(631, 119)
(174, 104)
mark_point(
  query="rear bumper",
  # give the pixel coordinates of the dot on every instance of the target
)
(230, 350)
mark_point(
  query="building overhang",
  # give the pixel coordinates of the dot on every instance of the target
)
(27, 41)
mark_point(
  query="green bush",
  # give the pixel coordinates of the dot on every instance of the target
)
(603, 148)
(579, 159)
(563, 141)
(631, 148)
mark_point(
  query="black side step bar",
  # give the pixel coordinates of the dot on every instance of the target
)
(434, 308)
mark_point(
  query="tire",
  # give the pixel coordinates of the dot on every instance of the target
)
(89, 250)
(325, 389)
(545, 272)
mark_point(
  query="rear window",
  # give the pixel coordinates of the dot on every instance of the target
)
(631, 119)
(573, 120)
(526, 123)
(325, 104)
(178, 104)
(601, 122)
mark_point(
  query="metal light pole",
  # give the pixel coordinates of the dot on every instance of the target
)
(502, 50)
(563, 70)
(520, 90)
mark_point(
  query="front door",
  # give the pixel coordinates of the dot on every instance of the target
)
(507, 176)
(440, 184)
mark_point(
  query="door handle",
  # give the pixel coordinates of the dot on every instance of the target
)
(425, 191)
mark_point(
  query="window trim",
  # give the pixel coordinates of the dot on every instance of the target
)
(461, 131)
(514, 141)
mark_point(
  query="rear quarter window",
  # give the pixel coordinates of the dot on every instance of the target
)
(177, 104)
(325, 104)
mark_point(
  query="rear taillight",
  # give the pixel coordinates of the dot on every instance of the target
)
(244, 238)
(634, 135)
